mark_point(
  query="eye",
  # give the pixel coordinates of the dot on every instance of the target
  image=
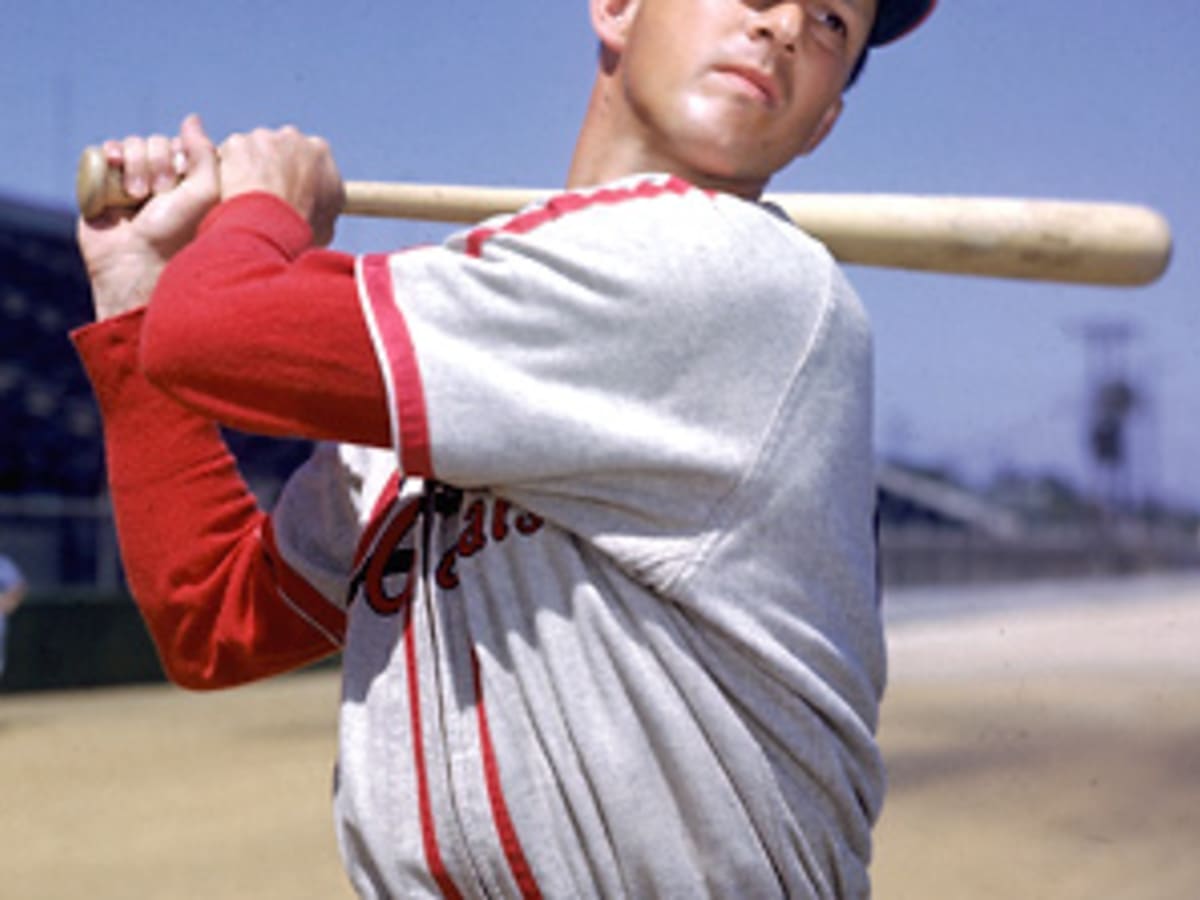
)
(829, 25)
(830, 19)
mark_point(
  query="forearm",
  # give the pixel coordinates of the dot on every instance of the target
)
(254, 330)
(191, 533)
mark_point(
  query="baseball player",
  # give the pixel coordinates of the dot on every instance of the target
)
(591, 515)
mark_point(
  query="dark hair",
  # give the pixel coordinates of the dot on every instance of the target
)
(859, 65)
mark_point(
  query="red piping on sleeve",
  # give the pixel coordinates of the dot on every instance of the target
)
(393, 345)
(572, 202)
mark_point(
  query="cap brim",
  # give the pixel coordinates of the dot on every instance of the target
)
(896, 18)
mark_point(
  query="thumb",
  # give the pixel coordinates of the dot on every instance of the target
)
(169, 219)
(200, 154)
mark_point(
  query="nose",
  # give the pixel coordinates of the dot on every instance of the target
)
(778, 21)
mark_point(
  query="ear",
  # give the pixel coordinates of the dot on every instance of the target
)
(611, 20)
(824, 126)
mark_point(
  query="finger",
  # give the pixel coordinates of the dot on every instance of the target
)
(179, 158)
(160, 166)
(114, 153)
(136, 167)
(233, 142)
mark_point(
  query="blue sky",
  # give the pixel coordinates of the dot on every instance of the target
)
(1017, 99)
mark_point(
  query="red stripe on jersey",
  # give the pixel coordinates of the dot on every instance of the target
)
(386, 497)
(429, 838)
(411, 425)
(563, 204)
(301, 596)
(511, 844)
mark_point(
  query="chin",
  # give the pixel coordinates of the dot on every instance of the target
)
(722, 151)
(725, 165)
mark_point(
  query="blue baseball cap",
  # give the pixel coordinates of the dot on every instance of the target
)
(896, 18)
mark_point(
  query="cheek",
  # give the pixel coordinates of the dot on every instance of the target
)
(741, 138)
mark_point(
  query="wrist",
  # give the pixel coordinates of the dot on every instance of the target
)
(123, 288)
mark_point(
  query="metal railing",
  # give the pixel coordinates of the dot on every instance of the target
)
(61, 542)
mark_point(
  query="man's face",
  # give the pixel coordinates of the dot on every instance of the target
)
(731, 91)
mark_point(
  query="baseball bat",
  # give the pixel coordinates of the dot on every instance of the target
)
(1079, 242)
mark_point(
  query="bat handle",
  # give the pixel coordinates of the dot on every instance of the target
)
(98, 186)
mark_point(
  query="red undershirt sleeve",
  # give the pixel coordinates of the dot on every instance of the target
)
(252, 328)
(195, 544)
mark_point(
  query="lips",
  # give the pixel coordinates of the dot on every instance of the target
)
(754, 80)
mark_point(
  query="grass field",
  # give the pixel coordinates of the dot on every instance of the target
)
(1041, 743)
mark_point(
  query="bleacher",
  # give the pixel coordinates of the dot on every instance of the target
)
(53, 512)
(78, 625)
(51, 432)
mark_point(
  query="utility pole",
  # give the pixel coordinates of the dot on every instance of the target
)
(1113, 396)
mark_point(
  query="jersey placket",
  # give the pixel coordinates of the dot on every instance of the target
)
(429, 673)
(476, 816)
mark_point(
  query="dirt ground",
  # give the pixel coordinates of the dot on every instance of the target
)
(1046, 749)
(1041, 743)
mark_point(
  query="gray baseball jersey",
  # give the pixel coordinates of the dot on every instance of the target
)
(614, 631)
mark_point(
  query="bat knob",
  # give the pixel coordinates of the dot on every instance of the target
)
(98, 185)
